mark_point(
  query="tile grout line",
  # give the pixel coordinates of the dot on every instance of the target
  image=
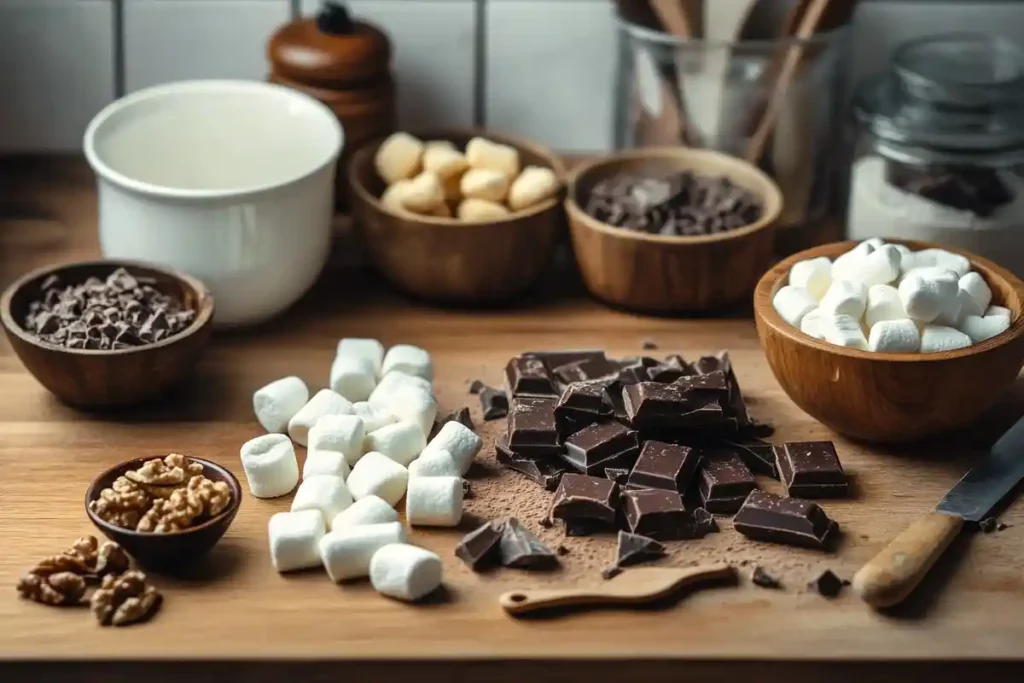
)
(480, 65)
(118, 49)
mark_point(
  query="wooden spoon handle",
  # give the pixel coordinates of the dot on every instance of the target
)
(893, 573)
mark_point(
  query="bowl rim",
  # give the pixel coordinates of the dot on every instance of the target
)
(765, 311)
(363, 153)
(92, 492)
(204, 311)
(771, 195)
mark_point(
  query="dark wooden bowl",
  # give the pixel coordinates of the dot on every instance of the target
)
(891, 397)
(166, 551)
(95, 379)
(671, 274)
(444, 260)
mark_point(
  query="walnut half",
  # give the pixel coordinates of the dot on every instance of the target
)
(125, 599)
(59, 589)
(172, 470)
(87, 557)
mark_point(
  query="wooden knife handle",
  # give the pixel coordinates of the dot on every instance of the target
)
(893, 573)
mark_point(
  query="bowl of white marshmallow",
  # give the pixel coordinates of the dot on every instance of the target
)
(370, 443)
(891, 341)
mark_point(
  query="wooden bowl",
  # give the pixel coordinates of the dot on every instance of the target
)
(891, 397)
(449, 262)
(172, 549)
(668, 274)
(101, 379)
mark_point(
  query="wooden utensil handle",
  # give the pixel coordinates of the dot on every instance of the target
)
(520, 602)
(893, 573)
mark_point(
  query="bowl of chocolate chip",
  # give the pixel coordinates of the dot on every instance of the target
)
(107, 333)
(672, 230)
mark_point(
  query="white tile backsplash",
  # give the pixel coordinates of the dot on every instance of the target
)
(58, 70)
(172, 40)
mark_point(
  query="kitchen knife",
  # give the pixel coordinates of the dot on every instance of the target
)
(892, 574)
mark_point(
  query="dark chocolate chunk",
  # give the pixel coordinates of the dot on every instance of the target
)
(661, 515)
(493, 403)
(528, 376)
(586, 369)
(481, 548)
(724, 482)
(978, 190)
(546, 470)
(712, 381)
(828, 584)
(467, 489)
(761, 578)
(561, 550)
(476, 387)
(586, 396)
(736, 406)
(598, 446)
(555, 359)
(664, 466)
(617, 474)
(633, 549)
(610, 572)
(461, 416)
(668, 406)
(790, 521)
(758, 455)
(988, 525)
(580, 497)
(519, 548)
(811, 469)
(532, 423)
(665, 374)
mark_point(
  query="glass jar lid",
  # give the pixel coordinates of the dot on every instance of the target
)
(958, 92)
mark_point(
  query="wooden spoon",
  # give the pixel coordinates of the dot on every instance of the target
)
(631, 587)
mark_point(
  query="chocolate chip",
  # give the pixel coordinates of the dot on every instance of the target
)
(610, 572)
(828, 584)
(763, 579)
(988, 525)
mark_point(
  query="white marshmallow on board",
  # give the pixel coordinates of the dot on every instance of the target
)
(412, 360)
(435, 464)
(793, 303)
(1000, 310)
(392, 382)
(979, 328)
(938, 338)
(936, 258)
(270, 466)
(346, 552)
(295, 539)
(378, 475)
(368, 510)
(413, 405)
(895, 336)
(461, 442)
(813, 322)
(405, 572)
(276, 403)
(926, 296)
(974, 284)
(325, 402)
(325, 462)
(434, 501)
(324, 492)
(883, 304)
(813, 275)
(374, 417)
(402, 441)
(353, 377)
(844, 330)
(362, 347)
(342, 433)
(845, 298)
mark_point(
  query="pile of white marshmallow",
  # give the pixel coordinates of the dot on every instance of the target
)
(885, 297)
(366, 440)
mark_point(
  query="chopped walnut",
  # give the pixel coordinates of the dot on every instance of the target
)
(214, 496)
(173, 470)
(200, 498)
(122, 504)
(61, 588)
(124, 599)
(87, 557)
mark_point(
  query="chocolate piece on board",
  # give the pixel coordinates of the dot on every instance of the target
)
(664, 466)
(599, 446)
(532, 423)
(519, 548)
(580, 497)
(790, 521)
(724, 482)
(811, 469)
(661, 515)
(758, 455)
(493, 403)
(480, 548)
(528, 376)
(633, 549)
(545, 470)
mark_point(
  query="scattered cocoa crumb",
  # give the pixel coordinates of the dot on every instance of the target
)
(649, 344)
(828, 584)
(467, 489)
(610, 572)
(476, 387)
(761, 578)
(546, 522)
(987, 525)
(562, 550)
(1000, 526)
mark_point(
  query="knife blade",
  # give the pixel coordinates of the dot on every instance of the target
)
(893, 573)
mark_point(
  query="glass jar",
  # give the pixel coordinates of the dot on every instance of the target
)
(939, 148)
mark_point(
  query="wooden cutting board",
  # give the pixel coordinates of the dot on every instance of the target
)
(235, 611)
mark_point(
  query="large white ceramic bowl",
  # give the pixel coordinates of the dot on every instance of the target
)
(229, 181)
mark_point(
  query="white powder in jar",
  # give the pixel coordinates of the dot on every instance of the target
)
(879, 209)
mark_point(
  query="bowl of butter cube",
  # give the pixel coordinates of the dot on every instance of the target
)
(458, 217)
(891, 341)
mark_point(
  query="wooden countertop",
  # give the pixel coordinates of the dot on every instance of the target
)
(233, 617)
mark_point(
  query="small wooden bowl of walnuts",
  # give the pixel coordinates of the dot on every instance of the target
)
(165, 511)
(461, 217)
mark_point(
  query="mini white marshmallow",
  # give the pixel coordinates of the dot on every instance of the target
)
(880, 267)
(845, 298)
(374, 417)
(395, 381)
(438, 463)
(405, 572)
(324, 492)
(378, 475)
(813, 275)
(1000, 310)
(434, 501)
(276, 403)
(926, 296)
(872, 243)
(979, 328)
(883, 304)
(353, 377)
(413, 405)
(368, 349)
(931, 258)
(961, 306)
(460, 441)
(325, 462)
(270, 466)
(342, 433)
(793, 303)
(346, 552)
(402, 441)
(368, 510)
(938, 338)
(895, 336)
(295, 539)
(325, 402)
(846, 263)
(974, 284)
(412, 360)
(812, 324)
(844, 330)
